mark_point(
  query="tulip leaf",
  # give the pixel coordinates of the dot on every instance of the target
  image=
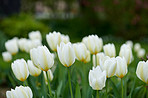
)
(115, 90)
(77, 91)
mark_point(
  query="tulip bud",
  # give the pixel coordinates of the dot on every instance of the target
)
(97, 78)
(93, 43)
(11, 46)
(65, 38)
(35, 35)
(53, 39)
(141, 53)
(28, 46)
(66, 54)
(34, 71)
(126, 52)
(36, 43)
(21, 43)
(99, 57)
(50, 76)
(129, 43)
(87, 57)
(20, 69)
(121, 69)
(80, 51)
(20, 92)
(109, 66)
(109, 50)
(42, 58)
(142, 70)
(7, 57)
(137, 47)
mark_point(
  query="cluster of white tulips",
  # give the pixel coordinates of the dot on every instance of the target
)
(105, 64)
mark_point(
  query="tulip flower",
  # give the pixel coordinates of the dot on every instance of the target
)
(20, 92)
(34, 71)
(65, 38)
(93, 43)
(142, 71)
(81, 51)
(20, 69)
(88, 57)
(137, 47)
(66, 54)
(126, 52)
(50, 76)
(97, 78)
(129, 43)
(109, 66)
(35, 35)
(53, 39)
(21, 43)
(99, 57)
(42, 58)
(121, 69)
(28, 46)
(36, 43)
(141, 52)
(11, 46)
(109, 50)
(7, 57)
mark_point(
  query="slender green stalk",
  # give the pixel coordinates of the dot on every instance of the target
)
(49, 85)
(70, 82)
(97, 96)
(106, 86)
(122, 87)
(146, 91)
(25, 83)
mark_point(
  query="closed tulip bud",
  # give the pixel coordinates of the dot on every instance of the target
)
(21, 43)
(97, 78)
(53, 40)
(121, 69)
(11, 46)
(126, 52)
(34, 71)
(109, 50)
(50, 76)
(7, 57)
(99, 57)
(141, 52)
(109, 66)
(93, 43)
(129, 43)
(28, 46)
(66, 54)
(20, 92)
(142, 71)
(87, 57)
(36, 43)
(42, 58)
(80, 51)
(35, 35)
(137, 47)
(20, 69)
(65, 38)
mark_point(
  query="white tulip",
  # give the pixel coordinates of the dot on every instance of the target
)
(42, 58)
(7, 57)
(65, 38)
(126, 52)
(109, 50)
(35, 35)
(53, 40)
(80, 51)
(88, 57)
(11, 46)
(93, 43)
(141, 52)
(99, 57)
(129, 43)
(50, 76)
(137, 47)
(28, 46)
(97, 78)
(121, 69)
(142, 71)
(34, 71)
(20, 92)
(109, 66)
(20, 69)
(21, 43)
(36, 43)
(66, 54)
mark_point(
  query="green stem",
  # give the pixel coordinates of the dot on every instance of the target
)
(49, 85)
(106, 86)
(146, 91)
(97, 94)
(122, 87)
(70, 82)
